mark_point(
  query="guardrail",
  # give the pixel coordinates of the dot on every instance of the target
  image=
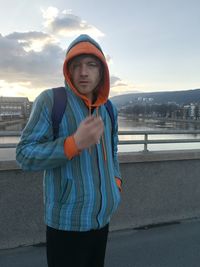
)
(148, 133)
(145, 141)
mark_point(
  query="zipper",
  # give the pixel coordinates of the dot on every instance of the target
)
(99, 188)
(96, 150)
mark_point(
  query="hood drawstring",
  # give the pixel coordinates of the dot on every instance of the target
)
(90, 113)
(104, 148)
(90, 110)
(103, 140)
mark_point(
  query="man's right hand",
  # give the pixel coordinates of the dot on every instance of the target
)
(89, 132)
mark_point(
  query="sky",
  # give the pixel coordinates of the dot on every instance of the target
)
(150, 45)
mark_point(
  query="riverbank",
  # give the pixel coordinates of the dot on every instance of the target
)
(156, 119)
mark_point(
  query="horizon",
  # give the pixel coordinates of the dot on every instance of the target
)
(129, 93)
(154, 47)
(152, 92)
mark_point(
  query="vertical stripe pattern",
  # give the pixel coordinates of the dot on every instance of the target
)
(81, 193)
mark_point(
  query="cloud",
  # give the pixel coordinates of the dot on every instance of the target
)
(32, 40)
(66, 24)
(50, 13)
(32, 35)
(36, 69)
(117, 86)
(116, 82)
(21, 68)
(32, 61)
(108, 59)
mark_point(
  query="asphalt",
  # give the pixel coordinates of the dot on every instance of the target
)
(175, 245)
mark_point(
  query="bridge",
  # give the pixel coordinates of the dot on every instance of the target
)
(156, 225)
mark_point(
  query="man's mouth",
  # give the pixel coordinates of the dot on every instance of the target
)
(83, 82)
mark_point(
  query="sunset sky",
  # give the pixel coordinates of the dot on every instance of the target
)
(149, 45)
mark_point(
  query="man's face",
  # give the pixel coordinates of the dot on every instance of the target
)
(86, 74)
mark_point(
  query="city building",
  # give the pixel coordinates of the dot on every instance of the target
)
(14, 107)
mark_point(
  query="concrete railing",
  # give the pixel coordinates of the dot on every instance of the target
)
(158, 187)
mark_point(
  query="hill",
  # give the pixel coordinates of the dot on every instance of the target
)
(178, 97)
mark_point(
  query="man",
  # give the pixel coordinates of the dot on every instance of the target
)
(82, 178)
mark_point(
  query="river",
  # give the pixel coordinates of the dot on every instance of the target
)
(127, 124)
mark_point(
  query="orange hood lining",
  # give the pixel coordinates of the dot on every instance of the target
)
(88, 48)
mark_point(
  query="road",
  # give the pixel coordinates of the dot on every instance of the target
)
(176, 245)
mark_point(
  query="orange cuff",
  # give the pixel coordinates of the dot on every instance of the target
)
(70, 148)
(119, 183)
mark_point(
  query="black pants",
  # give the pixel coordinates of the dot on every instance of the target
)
(76, 249)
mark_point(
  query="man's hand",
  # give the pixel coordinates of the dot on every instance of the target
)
(89, 132)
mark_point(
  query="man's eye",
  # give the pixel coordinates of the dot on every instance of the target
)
(76, 65)
(92, 64)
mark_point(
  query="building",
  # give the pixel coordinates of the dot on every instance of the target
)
(14, 107)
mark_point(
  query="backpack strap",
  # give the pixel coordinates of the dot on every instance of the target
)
(109, 108)
(110, 111)
(59, 105)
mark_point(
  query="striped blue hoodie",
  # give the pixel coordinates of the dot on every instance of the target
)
(80, 189)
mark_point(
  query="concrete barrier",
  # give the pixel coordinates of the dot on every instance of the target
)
(158, 187)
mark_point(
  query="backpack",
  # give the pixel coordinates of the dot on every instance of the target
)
(59, 105)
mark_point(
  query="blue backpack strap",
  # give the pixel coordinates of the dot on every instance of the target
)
(109, 108)
(59, 105)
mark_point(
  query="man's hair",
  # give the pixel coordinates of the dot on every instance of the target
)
(83, 56)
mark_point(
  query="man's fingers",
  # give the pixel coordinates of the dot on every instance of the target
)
(89, 119)
(93, 121)
(89, 132)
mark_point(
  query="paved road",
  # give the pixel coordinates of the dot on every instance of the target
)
(175, 245)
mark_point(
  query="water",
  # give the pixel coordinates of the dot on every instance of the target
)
(9, 139)
(127, 124)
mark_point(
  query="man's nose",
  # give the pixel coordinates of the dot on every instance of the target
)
(83, 70)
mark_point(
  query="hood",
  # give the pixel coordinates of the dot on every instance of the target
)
(84, 44)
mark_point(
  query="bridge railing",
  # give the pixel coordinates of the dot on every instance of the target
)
(193, 137)
(129, 137)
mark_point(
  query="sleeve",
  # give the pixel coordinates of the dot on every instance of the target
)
(70, 148)
(36, 149)
(115, 145)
